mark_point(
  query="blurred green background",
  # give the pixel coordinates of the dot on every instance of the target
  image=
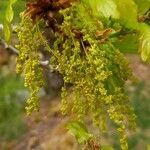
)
(18, 7)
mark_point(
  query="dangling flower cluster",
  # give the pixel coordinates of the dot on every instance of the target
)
(96, 70)
(28, 61)
(93, 69)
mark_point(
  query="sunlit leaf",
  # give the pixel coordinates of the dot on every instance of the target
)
(12, 2)
(104, 8)
(128, 13)
(7, 31)
(107, 8)
(9, 14)
(143, 6)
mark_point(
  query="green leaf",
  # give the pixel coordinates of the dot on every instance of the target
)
(7, 31)
(143, 6)
(128, 13)
(9, 14)
(80, 131)
(107, 8)
(128, 43)
(104, 8)
(148, 147)
(9, 11)
(106, 147)
(12, 2)
(145, 42)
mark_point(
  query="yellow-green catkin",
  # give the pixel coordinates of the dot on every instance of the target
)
(97, 72)
(28, 61)
(91, 66)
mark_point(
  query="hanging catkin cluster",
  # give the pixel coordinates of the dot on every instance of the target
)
(93, 69)
(96, 70)
(28, 61)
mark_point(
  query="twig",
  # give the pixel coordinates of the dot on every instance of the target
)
(83, 46)
(44, 63)
(6, 46)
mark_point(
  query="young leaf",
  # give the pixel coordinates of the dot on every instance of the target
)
(9, 14)
(104, 8)
(80, 131)
(128, 43)
(107, 8)
(12, 2)
(128, 13)
(148, 147)
(7, 32)
(106, 147)
(143, 6)
(145, 42)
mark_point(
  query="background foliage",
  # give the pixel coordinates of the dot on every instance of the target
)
(11, 108)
